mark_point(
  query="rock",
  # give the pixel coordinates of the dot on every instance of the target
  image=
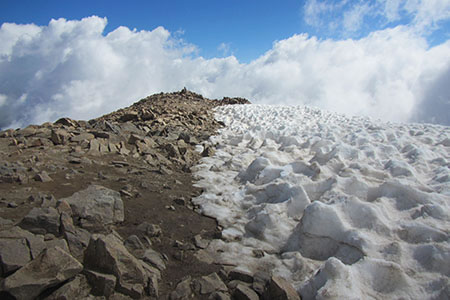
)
(61, 243)
(243, 292)
(84, 136)
(134, 243)
(210, 283)
(107, 254)
(134, 138)
(237, 274)
(94, 147)
(42, 177)
(154, 259)
(183, 290)
(64, 207)
(130, 116)
(34, 242)
(219, 296)
(14, 253)
(199, 242)
(78, 241)
(102, 284)
(67, 122)
(60, 136)
(208, 152)
(97, 204)
(78, 288)
(151, 230)
(49, 269)
(41, 221)
(280, 289)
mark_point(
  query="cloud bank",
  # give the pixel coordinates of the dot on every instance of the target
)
(70, 68)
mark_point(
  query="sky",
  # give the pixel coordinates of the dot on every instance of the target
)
(386, 59)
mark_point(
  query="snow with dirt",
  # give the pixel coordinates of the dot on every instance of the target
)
(345, 208)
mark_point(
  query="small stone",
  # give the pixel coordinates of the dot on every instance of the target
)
(200, 242)
(43, 177)
(180, 201)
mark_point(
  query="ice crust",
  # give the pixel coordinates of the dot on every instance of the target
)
(345, 208)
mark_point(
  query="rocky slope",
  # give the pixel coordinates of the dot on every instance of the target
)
(101, 209)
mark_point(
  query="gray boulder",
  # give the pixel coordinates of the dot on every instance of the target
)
(41, 221)
(97, 204)
(107, 254)
(52, 267)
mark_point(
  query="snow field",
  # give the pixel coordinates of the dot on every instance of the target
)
(345, 208)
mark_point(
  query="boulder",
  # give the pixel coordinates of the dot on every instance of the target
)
(130, 116)
(97, 204)
(210, 283)
(60, 136)
(52, 267)
(183, 290)
(41, 221)
(82, 136)
(241, 275)
(78, 288)
(14, 253)
(280, 289)
(107, 254)
(154, 259)
(67, 122)
(243, 292)
(102, 284)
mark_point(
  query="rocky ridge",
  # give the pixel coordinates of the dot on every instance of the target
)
(101, 209)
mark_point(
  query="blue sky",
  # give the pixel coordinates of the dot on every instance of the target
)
(245, 29)
(386, 59)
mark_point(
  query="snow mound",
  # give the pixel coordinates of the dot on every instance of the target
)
(345, 208)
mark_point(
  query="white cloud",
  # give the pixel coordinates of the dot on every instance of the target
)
(347, 17)
(69, 68)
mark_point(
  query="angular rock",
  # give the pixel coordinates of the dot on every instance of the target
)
(243, 292)
(154, 259)
(42, 177)
(151, 230)
(67, 122)
(14, 253)
(130, 116)
(97, 204)
(210, 283)
(78, 241)
(280, 289)
(41, 221)
(50, 268)
(134, 243)
(60, 136)
(241, 275)
(102, 284)
(107, 254)
(78, 288)
(183, 290)
(82, 137)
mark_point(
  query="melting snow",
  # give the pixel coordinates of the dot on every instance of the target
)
(345, 208)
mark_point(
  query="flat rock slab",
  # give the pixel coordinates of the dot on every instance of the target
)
(49, 269)
(98, 204)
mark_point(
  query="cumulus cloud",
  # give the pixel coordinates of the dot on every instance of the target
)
(70, 68)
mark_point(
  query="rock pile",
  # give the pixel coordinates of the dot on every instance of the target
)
(101, 209)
